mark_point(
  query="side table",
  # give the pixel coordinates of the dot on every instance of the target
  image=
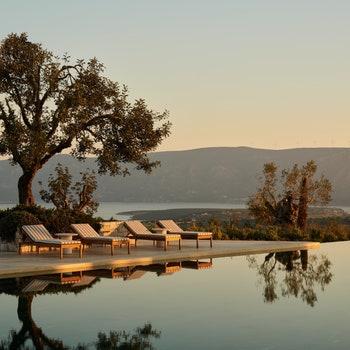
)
(66, 236)
(159, 231)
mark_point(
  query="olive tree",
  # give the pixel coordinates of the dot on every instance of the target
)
(64, 195)
(49, 104)
(285, 198)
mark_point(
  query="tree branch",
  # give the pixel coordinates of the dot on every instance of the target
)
(22, 109)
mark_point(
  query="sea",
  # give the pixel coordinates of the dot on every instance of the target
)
(120, 210)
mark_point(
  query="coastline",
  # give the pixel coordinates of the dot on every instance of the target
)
(188, 214)
(151, 211)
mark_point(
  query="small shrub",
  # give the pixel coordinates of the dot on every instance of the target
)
(294, 235)
(315, 232)
(339, 231)
(11, 221)
(271, 233)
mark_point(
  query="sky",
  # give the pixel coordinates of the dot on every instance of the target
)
(268, 74)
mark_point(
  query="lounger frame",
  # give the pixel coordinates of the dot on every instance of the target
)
(40, 237)
(173, 228)
(140, 231)
(89, 236)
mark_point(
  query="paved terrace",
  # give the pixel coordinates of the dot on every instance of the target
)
(29, 264)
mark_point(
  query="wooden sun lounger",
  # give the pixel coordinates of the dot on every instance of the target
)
(89, 236)
(39, 237)
(140, 231)
(172, 228)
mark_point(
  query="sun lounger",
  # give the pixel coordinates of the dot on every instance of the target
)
(139, 231)
(173, 228)
(88, 236)
(39, 237)
(40, 283)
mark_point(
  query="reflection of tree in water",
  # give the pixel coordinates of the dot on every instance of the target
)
(126, 341)
(302, 275)
(30, 330)
(20, 340)
(140, 340)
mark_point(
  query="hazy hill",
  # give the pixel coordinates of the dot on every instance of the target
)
(224, 174)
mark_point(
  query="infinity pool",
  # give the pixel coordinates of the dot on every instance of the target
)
(296, 300)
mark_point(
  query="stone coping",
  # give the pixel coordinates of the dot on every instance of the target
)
(29, 264)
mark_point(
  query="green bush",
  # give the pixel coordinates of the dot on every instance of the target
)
(294, 235)
(54, 220)
(341, 232)
(10, 221)
(331, 230)
(271, 233)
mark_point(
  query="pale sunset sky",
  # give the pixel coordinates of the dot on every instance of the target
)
(271, 74)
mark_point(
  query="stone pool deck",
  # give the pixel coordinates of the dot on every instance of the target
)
(28, 264)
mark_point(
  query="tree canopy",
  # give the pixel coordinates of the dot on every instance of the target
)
(304, 275)
(64, 195)
(49, 104)
(284, 199)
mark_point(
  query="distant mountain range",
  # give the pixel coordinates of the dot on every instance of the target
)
(218, 175)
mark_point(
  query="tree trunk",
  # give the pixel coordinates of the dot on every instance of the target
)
(303, 204)
(29, 331)
(25, 193)
(24, 312)
(304, 259)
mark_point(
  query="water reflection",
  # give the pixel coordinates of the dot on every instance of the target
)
(139, 340)
(280, 275)
(294, 273)
(135, 272)
(26, 288)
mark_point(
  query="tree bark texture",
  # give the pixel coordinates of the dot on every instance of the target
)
(25, 192)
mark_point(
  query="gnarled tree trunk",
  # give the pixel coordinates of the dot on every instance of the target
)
(25, 193)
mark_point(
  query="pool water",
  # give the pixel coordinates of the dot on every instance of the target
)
(276, 301)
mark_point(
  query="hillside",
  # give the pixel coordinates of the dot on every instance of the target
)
(222, 174)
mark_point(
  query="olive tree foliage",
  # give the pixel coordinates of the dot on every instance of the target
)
(64, 195)
(49, 104)
(294, 273)
(284, 198)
